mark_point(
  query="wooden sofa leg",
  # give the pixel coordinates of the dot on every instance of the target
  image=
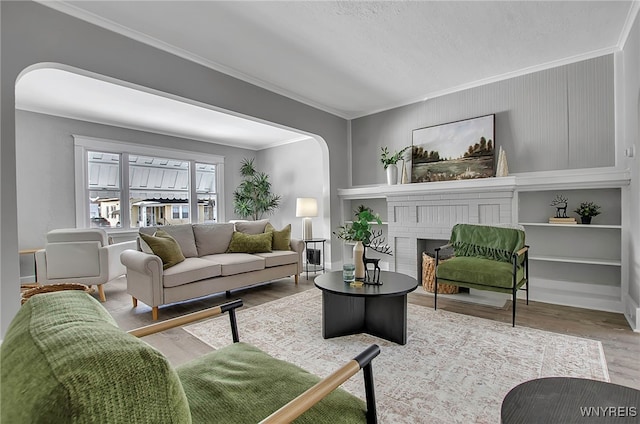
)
(135, 302)
(103, 298)
(154, 313)
(296, 277)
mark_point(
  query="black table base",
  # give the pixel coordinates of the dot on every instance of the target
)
(384, 317)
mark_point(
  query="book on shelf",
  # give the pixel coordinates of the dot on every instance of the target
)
(554, 220)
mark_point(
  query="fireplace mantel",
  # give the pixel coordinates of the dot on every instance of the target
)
(605, 177)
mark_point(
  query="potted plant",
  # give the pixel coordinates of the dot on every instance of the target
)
(253, 197)
(389, 162)
(362, 233)
(587, 210)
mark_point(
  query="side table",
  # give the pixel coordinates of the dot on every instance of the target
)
(316, 266)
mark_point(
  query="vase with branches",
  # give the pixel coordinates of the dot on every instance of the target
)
(253, 197)
(361, 232)
(389, 161)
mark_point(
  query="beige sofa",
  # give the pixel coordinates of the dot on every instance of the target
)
(207, 268)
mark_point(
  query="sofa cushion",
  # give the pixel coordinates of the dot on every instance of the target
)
(64, 360)
(278, 257)
(466, 269)
(190, 270)
(164, 246)
(237, 263)
(250, 243)
(183, 233)
(251, 227)
(212, 238)
(237, 375)
(281, 239)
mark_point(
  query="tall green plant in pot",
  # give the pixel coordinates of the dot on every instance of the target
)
(253, 197)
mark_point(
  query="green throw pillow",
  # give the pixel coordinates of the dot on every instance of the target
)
(282, 238)
(250, 243)
(165, 246)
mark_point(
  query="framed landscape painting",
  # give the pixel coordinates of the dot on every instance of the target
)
(458, 150)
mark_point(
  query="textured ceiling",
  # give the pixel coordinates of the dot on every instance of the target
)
(353, 58)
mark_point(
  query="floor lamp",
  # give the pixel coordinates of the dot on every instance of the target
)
(306, 207)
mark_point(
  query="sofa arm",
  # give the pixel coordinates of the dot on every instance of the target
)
(144, 276)
(298, 247)
(116, 267)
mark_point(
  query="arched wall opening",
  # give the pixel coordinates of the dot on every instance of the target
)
(45, 200)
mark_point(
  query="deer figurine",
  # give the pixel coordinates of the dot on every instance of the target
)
(560, 202)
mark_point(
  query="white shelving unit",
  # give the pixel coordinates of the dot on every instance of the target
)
(574, 264)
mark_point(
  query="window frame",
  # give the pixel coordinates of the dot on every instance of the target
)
(84, 144)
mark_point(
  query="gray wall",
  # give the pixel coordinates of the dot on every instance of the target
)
(559, 118)
(32, 33)
(629, 92)
(46, 170)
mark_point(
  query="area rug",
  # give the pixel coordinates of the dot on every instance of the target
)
(454, 368)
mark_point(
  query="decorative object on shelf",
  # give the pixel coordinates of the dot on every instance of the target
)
(306, 207)
(362, 232)
(502, 169)
(390, 163)
(405, 176)
(253, 197)
(454, 151)
(586, 211)
(560, 203)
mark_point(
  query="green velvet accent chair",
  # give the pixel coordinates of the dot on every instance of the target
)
(485, 258)
(64, 360)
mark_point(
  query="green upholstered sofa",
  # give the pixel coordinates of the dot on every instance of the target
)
(486, 258)
(64, 360)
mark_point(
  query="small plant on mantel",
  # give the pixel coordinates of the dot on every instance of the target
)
(388, 159)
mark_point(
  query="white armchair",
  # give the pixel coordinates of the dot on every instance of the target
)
(79, 255)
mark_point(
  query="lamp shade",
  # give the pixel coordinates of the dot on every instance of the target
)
(306, 206)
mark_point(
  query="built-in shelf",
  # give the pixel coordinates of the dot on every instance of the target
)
(567, 259)
(546, 224)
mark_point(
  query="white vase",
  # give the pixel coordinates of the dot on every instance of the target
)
(358, 250)
(392, 174)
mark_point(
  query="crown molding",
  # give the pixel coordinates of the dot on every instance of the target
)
(628, 24)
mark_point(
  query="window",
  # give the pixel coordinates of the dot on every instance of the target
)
(165, 187)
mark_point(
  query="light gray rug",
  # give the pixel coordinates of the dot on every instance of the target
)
(454, 368)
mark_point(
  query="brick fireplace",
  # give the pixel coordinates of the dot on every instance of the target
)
(421, 219)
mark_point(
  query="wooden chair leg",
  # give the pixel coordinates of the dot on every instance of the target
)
(154, 313)
(103, 298)
(296, 278)
(135, 302)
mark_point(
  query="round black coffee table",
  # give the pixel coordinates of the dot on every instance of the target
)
(570, 400)
(379, 310)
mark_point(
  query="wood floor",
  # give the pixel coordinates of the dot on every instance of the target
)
(621, 345)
